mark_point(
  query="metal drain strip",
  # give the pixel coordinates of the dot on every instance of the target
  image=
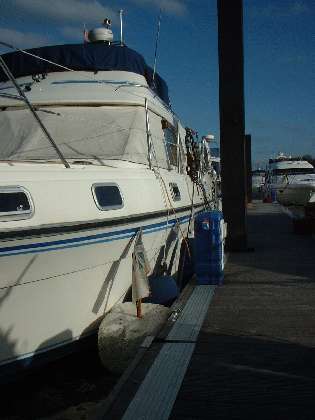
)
(156, 395)
(191, 319)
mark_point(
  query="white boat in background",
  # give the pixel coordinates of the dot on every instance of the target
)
(283, 171)
(291, 182)
(72, 199)
(299, 192)
(258, 180)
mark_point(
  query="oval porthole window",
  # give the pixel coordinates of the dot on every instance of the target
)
(107, 196)
(15, 203)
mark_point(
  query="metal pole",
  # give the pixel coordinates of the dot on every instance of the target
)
(121, 27)
(232, 120)
(156, 46)
(35, 56)
(31, 108)
(147, 123)
(178, 150)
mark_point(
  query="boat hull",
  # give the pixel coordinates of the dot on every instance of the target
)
(69, 261)
(298, 194)
(56, 289)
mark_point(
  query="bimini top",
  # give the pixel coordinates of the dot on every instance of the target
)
(85, 57)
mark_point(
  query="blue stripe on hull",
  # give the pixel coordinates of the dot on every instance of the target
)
(29, 360)
(87, 240)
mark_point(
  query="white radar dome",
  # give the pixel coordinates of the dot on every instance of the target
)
(209, 137)
(100, 35)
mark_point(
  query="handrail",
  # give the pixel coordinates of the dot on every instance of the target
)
(149, 139)
(35, 56)
(11, 96)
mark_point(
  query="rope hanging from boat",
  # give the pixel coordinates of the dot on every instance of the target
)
(193, 158)
(156, 169)
(193, 162)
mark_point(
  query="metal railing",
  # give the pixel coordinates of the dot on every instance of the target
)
(21, 96)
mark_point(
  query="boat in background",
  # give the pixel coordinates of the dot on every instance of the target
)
(283, 171)
(92, 155)
(258, 180)
(299, 192)
(291, 182)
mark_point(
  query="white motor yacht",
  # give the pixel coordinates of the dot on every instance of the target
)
(90, 155)
(298, 192)
(291, 182)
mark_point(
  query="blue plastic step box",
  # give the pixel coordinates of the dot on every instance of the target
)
(208, 247)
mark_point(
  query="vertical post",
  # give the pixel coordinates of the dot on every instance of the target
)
(121, 27)
(232, 120)
(156, 47)
(248, 160)
(178, 151)
(147, 124)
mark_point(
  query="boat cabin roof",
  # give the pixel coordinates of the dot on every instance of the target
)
(83, 57)
(287, 164)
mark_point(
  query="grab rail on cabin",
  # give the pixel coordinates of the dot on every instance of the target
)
(149, 139)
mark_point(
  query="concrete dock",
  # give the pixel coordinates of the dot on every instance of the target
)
(244, 350)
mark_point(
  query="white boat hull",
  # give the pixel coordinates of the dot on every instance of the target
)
(297, 194)
(56, 296)
(57, 280)
(70, 262)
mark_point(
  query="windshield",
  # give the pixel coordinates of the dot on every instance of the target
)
(293, 171)
(80, 132)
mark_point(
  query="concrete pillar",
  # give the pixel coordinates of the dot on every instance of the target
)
(232, 120)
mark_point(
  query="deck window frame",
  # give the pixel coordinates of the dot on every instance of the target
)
(110, 207)
(17, 214)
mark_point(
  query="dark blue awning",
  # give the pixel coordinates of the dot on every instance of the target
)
(87, 57)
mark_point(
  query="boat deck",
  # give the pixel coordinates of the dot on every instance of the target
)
(243, 350)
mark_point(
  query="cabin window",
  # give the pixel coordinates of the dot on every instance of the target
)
(15, 203)
(175, 191)
(293, 171)
(170, 139)
(107, 196)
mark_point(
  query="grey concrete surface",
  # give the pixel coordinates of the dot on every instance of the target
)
(255, 356)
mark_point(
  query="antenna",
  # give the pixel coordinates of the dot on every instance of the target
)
(156, 46)
(121, 27)
(85, 34)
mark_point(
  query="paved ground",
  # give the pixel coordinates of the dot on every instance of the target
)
(255, 356)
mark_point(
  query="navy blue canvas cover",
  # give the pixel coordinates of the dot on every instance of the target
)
(88, 57)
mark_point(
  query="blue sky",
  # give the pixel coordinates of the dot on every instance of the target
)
(279, 39)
